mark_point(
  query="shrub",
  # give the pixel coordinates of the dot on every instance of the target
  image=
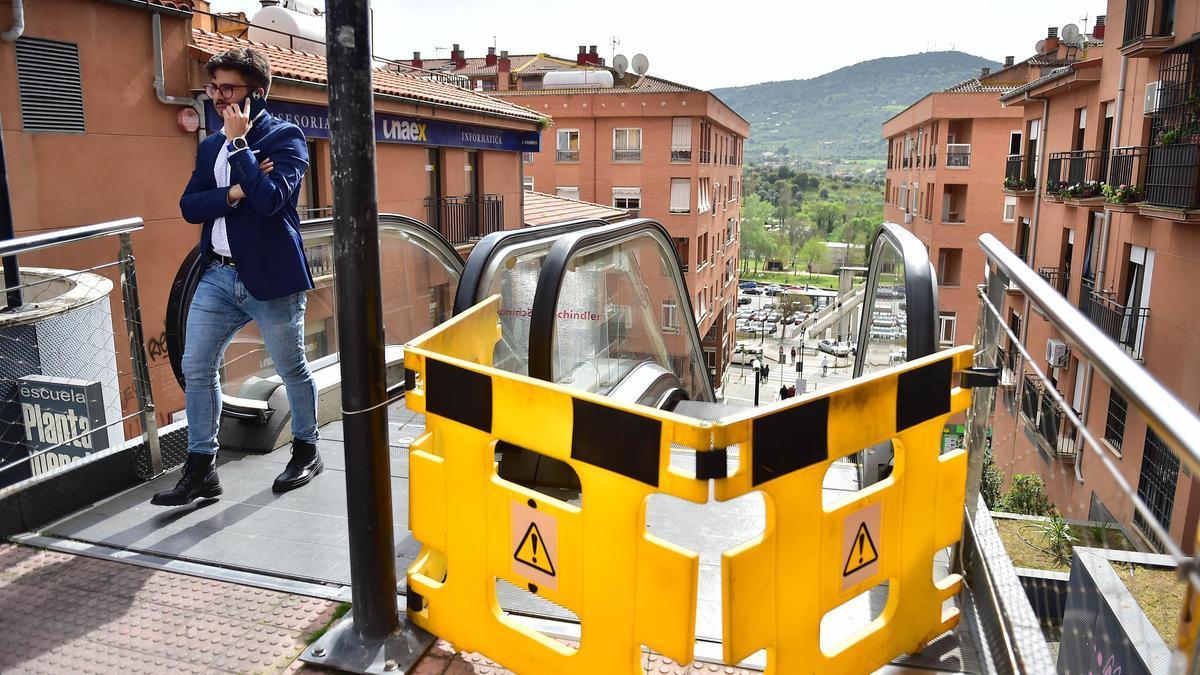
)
(1057, 535)
(992, 484)
(1026, 495)
(1121, 194)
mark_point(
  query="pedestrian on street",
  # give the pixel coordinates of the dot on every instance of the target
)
(824, 366)
(783, 392)
(782, 357)
(793, 354)
(792, 391)
(244, 190)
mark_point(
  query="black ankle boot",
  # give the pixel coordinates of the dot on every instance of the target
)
(304, 466)
(199, 480)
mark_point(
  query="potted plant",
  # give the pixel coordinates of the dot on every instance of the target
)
(1122, 194)
(1054, 187)
(1170, 137)
(1011, 183)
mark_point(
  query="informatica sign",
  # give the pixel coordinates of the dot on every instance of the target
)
(314, 121)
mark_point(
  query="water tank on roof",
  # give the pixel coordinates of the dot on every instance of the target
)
(578, 79)
(276, 25)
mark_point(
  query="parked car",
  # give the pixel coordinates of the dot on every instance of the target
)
(834, 348)
(752, 291)
(744, 354)
(774, 290)
(743, 300)
(799, 318)
(773, 317)
(747, 284)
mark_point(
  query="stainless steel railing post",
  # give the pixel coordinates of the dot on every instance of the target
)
(137, 354)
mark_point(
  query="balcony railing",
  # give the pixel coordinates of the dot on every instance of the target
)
(566, 156)
(627, 155)
(464, 219)
(705, 156)
(1136, 13)
(1173, 176)
(1018, 173)
(1076, 174)
(1045, 419)
(681, 155)
(1125, 325)
(1058, 278)
(1128, 167)
(958, 154)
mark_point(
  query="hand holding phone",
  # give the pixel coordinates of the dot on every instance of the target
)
(237, 120)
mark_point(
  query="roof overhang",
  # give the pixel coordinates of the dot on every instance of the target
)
(1058, 81)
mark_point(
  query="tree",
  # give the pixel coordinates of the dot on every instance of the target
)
(813, 253)
(756, 244)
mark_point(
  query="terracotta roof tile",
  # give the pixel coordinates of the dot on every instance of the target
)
(544, 209)
(299, 65)
(974, 86)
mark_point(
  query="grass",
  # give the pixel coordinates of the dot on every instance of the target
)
(1028, 548)
(1159, 592)
(828, 281)
(337, 614)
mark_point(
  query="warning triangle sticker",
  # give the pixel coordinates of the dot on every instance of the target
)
(532, 551)
(862, 553)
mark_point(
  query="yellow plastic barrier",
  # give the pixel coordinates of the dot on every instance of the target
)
(811, 558)
(629, 588)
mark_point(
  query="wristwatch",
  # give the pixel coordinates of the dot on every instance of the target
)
(237, 144)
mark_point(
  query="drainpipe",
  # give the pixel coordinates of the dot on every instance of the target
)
(160, 79)
(1102, 256)
(18, 27)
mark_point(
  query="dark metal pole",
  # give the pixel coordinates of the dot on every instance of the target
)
(757, 372)
(12, 274)
(360, 319)
(373, 638)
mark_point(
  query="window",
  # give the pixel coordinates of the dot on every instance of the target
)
(670, 316)
(681, 139)
(1156, 483)
(627, 145)
(1023, 240)
(527, 157)
(568, 145)
(568, 192)
(49, 86)
(1114, 424)
(949, 266)
(1080, 127)
(903, 201)
(682, 250)
(700, 304)
(681, 195)
(946, 328)
(1010, 210)
(527, 183)
(703, 202)
(628, 198)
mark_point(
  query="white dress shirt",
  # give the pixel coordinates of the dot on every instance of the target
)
(220, 237)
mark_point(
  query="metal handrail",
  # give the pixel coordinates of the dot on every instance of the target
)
(35, 242)
(1174, 422)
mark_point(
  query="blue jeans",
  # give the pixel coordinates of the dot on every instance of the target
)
(220, 307)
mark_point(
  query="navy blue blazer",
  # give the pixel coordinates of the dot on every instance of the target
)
(264, 228)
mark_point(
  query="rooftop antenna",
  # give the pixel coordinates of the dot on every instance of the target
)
(439, 49)
(613, 41)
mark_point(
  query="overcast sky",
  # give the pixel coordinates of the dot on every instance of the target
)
(711, 43)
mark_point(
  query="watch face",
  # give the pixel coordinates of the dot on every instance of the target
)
(239, 143)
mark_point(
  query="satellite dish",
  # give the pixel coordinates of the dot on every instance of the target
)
(620, 64)
(1040, 46)
(1070, 33)
(641, 64)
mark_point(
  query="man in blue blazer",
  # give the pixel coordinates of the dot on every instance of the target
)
(244, 190)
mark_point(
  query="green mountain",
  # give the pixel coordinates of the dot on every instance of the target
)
(840, 114)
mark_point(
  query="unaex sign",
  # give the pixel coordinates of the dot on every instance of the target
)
(314, 121)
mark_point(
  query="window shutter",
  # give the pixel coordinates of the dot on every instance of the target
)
(681, 195)
(681, 133)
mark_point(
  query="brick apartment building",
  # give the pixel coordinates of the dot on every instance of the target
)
(656, 148)
(107, 147)
(1124, 113)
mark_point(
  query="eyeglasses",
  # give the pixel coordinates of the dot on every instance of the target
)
(226, 90)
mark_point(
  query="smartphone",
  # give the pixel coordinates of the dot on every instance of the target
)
(255, 103)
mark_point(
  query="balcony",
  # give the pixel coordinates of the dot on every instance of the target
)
(566, 156)
(958, 155)
(627, 156)
(1076, 175)
(1127, 175)
(1019, 175)
(1140, 42)
(1173, 176)
(681, 156)
(465, 219)
(1058, 278)
(1125, 325)
(1046, 421)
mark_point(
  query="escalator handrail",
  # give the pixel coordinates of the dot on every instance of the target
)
(488, 247)
(920, 291)
(190, 271)
(554, 270)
